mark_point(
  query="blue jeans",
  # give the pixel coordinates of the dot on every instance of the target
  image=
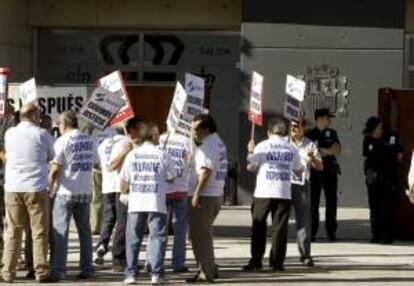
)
(108, 219)
(180, 224)
(156, 243)
(63, 210)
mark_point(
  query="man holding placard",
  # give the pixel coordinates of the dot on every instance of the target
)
(301, 195)
(274, 159)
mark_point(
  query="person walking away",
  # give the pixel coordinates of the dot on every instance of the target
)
(144, 175)
(135, 129)
(274, 160)
(71, 174)
(178, 146)
(109, 192)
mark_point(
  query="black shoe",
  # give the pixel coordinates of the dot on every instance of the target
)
(181, 270)
(308, 262)
(48, 279)
(375, 240)
(252, 266)
(331, 237)
(278, 268)
(387, 241)
(84, 276)
(31, 274)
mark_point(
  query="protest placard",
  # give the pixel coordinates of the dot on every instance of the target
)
(295, 87)
(27, 91)
(194, 105)
(4, 78)
(177, 107)
(101, 106)
(256, 99)
(295, 93)
(114, 82)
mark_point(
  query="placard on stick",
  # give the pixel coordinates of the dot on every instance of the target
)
(101, 106)
(114, 82)
(295, 93)
(256, 99)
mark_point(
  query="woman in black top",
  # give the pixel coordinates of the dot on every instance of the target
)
(381, 151)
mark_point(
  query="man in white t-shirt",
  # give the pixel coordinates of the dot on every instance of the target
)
(71, 174)
(210, 167)
(178, 146)
(97, 199)
(274, 159)
(310, 157)
(28, 148)
(144, 177)
(135, 128)
(109, 193)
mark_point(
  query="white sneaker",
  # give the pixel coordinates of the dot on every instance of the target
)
(130, 281)
(100, 253)
(157, 280)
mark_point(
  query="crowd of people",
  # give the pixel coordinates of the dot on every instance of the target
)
(148, 179)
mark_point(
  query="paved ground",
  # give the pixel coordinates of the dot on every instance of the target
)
(350, 261)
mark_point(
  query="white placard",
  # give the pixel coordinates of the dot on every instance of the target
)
(114, 82)
(101, 107)
(194, 88)
(177, 107)
(292, 109)
(295, 87)
(27, 91)
(256, 100)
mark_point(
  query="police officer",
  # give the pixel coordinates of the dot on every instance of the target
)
(382, 152)
(329, 146)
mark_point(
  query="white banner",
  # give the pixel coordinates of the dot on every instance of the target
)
(101, 107)
(295, 87)
(177, 107)
(27, 91)
(53, 100)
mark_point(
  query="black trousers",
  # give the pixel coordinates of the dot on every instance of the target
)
(382, 198)
(279, 209)
(118, 249)
(328, 181)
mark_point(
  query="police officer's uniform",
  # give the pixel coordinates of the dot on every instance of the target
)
(326, 179)
(381, 172)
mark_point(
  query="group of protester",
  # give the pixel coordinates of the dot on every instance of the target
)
(146, 176)
(48, 182)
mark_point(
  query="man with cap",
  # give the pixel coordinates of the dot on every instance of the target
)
(382, 152)
(329, 146)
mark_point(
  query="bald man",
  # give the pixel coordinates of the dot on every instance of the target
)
(28, 149)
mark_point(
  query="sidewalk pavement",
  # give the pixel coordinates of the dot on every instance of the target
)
(352, 260)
